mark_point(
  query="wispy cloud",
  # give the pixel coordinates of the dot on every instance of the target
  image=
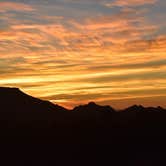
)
(129, 3)
(67, 56)
(15, 6)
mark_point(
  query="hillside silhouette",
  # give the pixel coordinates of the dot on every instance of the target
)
(38, 132)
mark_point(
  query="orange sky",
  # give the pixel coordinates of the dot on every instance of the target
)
(72, 52)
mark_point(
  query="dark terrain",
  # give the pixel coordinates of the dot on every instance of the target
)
(36, 132)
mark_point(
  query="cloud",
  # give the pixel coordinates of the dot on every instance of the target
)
(63, 37)
(15, 6)
(99, 54)
(129, 3)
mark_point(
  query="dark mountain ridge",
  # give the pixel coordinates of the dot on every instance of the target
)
(92, 106)
(37, 132)
(16, 99)
(17, 106)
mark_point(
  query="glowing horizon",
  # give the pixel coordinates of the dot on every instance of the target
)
(72, 52)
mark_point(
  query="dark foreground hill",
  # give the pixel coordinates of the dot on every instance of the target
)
(37, 132)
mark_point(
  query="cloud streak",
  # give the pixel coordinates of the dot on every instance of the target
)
(67, 57)
(14, 6)
(130, 3)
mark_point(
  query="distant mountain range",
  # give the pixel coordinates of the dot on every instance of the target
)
(13, 99)
(20, 108)
(37, 132)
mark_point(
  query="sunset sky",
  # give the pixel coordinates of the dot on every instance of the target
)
(75, 51)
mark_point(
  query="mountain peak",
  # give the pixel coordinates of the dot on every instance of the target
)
(160, 108)
(93, 107)
(92, 104)
(13, 99)
(12, 93)
(135, 108)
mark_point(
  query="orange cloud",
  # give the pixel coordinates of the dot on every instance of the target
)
(115, 57)
(5, 6)
(129, 3)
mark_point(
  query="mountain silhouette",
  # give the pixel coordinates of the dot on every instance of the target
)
(135, 108)
(38, 132)
(13, 99)
(93, 107)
